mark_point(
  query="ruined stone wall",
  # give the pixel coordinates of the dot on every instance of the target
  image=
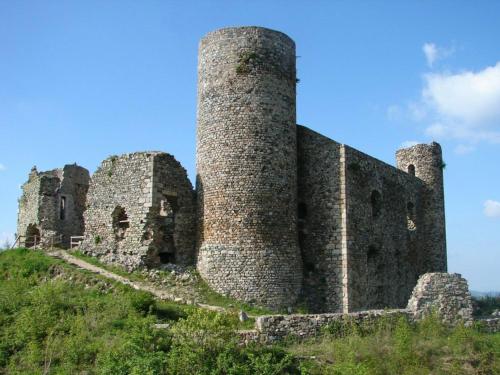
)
(173, 191)
(384, 218)
(52, 205)
(73, 190)
(140, 211)
(444, 294)
(275, 328)
(28, 206)
(246, 165)
(320, 205)
(426, 163)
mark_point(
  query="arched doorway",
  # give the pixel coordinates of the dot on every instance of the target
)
(32, 236)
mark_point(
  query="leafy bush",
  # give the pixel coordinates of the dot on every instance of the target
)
(484, 306)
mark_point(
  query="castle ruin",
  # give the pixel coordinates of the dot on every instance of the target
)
(281, 215)
(52, 205)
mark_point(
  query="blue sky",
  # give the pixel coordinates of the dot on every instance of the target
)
(82, 80)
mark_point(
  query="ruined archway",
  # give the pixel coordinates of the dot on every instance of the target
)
(33, 237)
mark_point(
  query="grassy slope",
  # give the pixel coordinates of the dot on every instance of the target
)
(59, 320)
(198, 288)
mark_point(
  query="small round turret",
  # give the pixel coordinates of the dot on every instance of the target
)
(425, 162)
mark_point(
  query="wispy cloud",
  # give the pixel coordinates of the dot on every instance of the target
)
(492, 208)
(464, 149)
(434, 53)
(430, 51)
(2, 167)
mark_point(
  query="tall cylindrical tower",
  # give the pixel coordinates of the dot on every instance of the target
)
(425, 161)
(246, 164)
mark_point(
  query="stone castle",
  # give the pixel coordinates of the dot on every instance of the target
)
(280, 215)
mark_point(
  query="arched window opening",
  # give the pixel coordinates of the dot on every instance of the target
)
(376, 201)
(411, 216)
(411, 170)
(120, 222)
(32, 236)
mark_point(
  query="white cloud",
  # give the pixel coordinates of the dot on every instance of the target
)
(434, 53)
(2, 167)
(463, 106)
(407, 144)
(468, 97)
(492, 208)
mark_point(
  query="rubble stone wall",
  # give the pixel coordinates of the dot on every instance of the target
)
(320, 225)
(427, 164)
(274, 328)
(52, 204)
(246, 165)
(140, 211)
(384, 218)
(442, 293)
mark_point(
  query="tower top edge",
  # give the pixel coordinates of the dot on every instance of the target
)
(245, 30)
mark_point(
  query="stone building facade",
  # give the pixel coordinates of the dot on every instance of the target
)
(51, 206)
(140, 211)
(281, 215)
(289, 216)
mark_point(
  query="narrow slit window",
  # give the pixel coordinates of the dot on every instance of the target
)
(411, 216)
(376, 201)
(62, 208)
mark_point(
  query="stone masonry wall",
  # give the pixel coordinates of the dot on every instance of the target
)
(384, 217)
(173, 191)
(446, 294)
(29, 206)
(52, 205)
(140, 211)
(443, 293)
(320, 223)
(274, 328)
(246, 165)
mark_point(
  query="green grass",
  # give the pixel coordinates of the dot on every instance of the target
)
(211, 297)
(401, 348)
(134, 276)
(206, 294)
(57, 319)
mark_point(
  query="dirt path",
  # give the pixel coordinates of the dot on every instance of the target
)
(138, 285)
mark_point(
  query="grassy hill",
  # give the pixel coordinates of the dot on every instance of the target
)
(56, 319)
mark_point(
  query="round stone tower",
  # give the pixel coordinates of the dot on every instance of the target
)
(246, 164)
(425, 161)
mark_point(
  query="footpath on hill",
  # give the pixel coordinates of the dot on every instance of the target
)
(147, 286)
